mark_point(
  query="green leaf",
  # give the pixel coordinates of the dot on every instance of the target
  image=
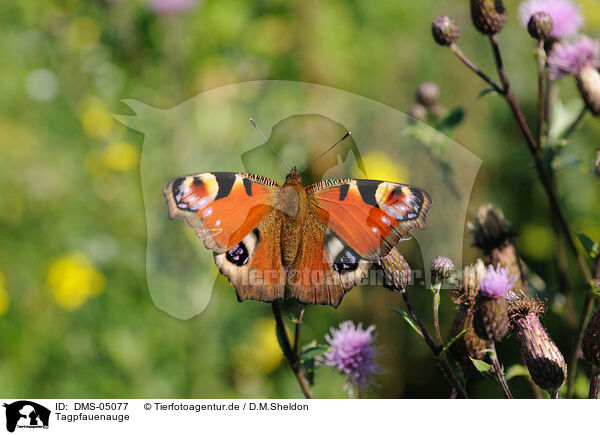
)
(292, 317)
(485, 92)
(406, 317)
(563, 116)
(516, 370)
(481, 366)
(451, 121)
(592, 248)
(452, 340)
(312, 352)
(309, 368)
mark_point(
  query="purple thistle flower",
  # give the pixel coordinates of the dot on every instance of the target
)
(497, 282)
(570, 58)
(167, 6)
(566, 15)
(352, 353)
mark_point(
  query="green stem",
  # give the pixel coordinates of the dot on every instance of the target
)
(594, 383)
(575, 124)
(436, 308)
(498, 370)
(541, 91)
(434, 348)
(288, 352)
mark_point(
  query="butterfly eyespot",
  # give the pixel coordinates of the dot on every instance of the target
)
(346, 261)
(238, 255)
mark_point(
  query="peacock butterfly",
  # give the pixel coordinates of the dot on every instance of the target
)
(311, 244)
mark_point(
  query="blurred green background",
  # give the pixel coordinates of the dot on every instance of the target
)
(76, 317)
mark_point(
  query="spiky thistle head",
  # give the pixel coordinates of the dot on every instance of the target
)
(396, 271)
(540, 26)
(489, 16)
(445, 30)
(565, 14)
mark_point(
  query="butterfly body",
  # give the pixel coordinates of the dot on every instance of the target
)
(311, 244)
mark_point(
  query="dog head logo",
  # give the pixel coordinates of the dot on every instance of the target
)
(26, 414)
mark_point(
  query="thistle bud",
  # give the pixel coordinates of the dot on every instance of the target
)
(445, 30)
(540, 26)
(469, 345)
(396, 271)
(428, 93)
(488, 16)
(490, 319)
(588, 82)
(418, 111)
(591, 340)
(544, 361)
(442, 268)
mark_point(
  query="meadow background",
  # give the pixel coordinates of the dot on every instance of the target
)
(76, 317)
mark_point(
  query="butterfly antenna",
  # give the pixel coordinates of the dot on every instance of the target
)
(325, 152)
(267, 141)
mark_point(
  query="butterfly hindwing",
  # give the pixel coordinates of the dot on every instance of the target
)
(228, 211)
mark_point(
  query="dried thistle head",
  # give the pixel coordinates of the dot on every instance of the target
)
(469, 345)
(490, 229)
(542, 357)
(469, 284)
(591, 340)
(523, 306)
(588, 82)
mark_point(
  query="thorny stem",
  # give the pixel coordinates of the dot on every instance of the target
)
(541, 53)
(554, 204)
(297, 332)
(474, 68)
(534, 149)
(498, 370)
(436, 308)
(288, 352)
(594, 383)
(434, 348)
(588, 307)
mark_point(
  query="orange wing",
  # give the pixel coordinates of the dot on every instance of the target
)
(222, 207)
(369, 216)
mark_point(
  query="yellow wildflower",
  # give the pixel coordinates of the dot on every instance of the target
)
(379, 166)
(97, 122)
(83, 32)
(261, 353)
(72, 280)
(120, 156)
